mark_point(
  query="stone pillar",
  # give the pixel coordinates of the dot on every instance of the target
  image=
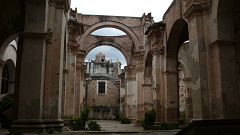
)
(2, 63)
(69, 104)
(156, 81)
(54, 63)
(189, 107)
(171, 94)
(34, 115)
(155, 34)
(139, 57)
(79, 82)
(131, 92)
(225, 96)
(162, 96)
(200, 90)
(147, 94)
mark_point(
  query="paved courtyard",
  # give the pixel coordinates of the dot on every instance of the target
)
(110, 128)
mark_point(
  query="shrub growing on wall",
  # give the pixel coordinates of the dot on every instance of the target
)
(79, 123)
(93, 126)
(149, 119)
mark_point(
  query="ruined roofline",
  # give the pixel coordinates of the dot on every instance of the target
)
(170, 6)
(134, 17)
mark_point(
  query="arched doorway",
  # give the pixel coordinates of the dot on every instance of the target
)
(103, 90)
(8, 78)
(149, 92)
(178, 35)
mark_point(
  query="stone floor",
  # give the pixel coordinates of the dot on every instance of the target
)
(110, 128)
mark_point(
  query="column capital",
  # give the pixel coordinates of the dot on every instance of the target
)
(130, 72)
(155, 34)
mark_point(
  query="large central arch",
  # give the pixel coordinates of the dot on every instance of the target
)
(111, 24)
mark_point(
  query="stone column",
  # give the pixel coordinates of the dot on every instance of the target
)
(32, 92)
(225, 96)
(200, 91)
(2, 63)
(189, 109)
(54, 63)
(155, 34)
(162, 92)
(79, 82)
(156, 81)
(147, 94)
(69, 104)
(131, 92)
(139, 57)
(171, 94)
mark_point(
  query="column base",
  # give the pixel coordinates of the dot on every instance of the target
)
(36, 126)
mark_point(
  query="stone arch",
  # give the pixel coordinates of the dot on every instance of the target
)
(148, 65)
(178, 34)
(6, 43)
(10, 68)
(185, 68)
(112, 44)
(111, 24)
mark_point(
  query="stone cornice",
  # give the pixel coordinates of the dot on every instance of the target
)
(196, 8)
(44, 35)
(155, 28)
(61, 4)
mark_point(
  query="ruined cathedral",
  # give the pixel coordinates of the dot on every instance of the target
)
(185, 66)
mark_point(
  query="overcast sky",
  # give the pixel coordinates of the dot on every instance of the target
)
(134, 8)
(111, 53)
(122, 7)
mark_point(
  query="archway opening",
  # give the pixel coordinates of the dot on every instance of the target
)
(104, 66)
(8, 94)
(177, 92)
(148, 91)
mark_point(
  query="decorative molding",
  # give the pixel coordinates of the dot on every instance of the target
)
(47, 35)
(167, 72)
(60, 4)
(223, 43)
(196, 8)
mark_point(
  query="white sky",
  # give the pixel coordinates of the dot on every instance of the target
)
(111, 53)
(134, 8)
(122, 7)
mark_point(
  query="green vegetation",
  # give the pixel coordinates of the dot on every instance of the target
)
(93, 126)
(5, 104)
(79, 123)
(120, 117)
(149, 119)
(125, 120)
